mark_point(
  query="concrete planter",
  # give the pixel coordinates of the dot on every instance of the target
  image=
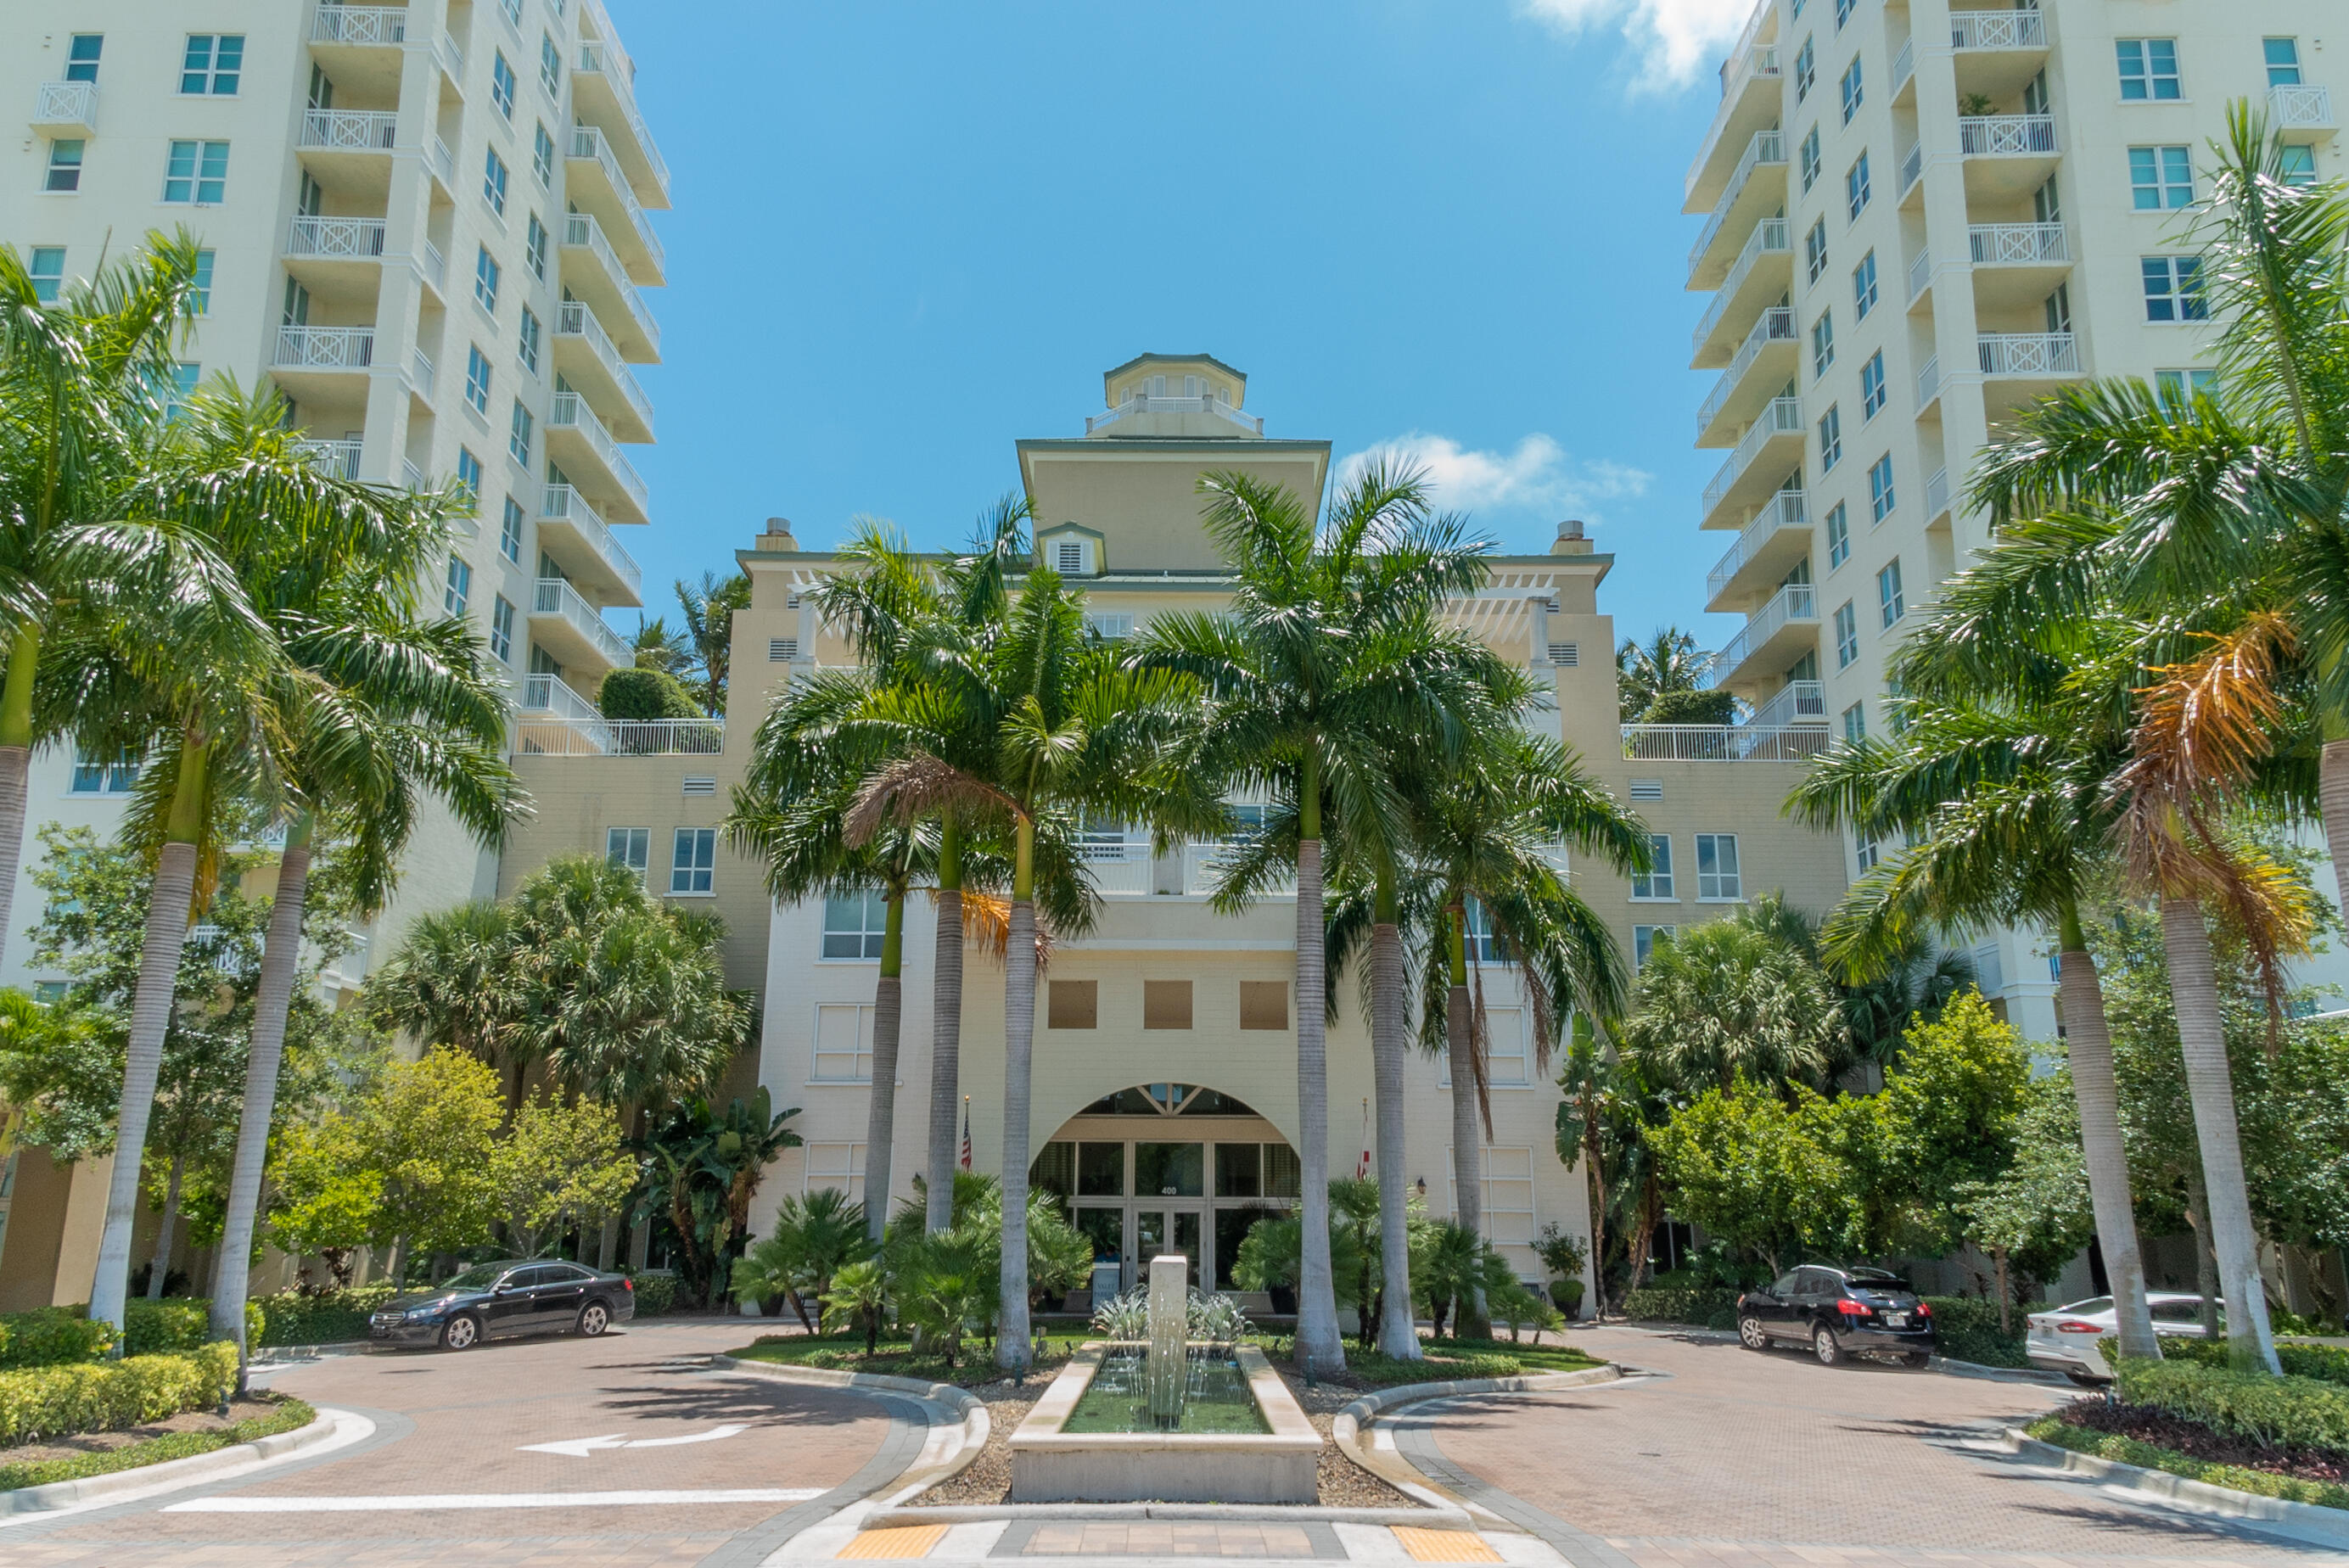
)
(1051, 1466)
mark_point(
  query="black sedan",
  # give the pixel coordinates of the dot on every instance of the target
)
(503, 1299)
(1838, 1313)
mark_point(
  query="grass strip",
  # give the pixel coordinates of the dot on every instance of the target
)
(292, 1416)
(2147, 1456)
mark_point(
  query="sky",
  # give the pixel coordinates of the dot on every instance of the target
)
(905, 236)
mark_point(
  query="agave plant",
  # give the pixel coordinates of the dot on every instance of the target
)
(1125, 1316)
(1216, 1319)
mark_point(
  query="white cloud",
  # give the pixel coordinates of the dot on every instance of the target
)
(1676, 41)
(1536, 476)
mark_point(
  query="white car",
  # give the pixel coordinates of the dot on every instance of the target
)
(2069, 1339)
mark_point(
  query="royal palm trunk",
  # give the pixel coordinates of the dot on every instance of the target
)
(2194, 993)
(1398, 1333)
(1011, 1349)
(280, 964)
(15, 761)
(160, 1268)
(2332, 791)
(880, 1117)
(2088, 1043)
(1318, 1343)
(1467, 1130)
(946, 1034)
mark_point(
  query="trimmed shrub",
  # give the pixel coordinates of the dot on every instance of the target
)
(61, 1401)
(655, 1291)
(291, 1416)
(1965, 1329)
(1708, 1308)
(170, 1327)
(332, 1317)
(51, 1336)
(2325, 1363)
(2286, 1412)
(644, 693)
(1691, 708)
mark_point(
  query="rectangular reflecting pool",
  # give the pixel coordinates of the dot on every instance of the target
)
(1216, 1398)
(1243, 1437)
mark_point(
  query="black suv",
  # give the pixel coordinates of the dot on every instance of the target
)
(1838, 1313)
(517, 1297)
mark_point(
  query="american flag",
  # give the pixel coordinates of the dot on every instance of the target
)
(966, 1132)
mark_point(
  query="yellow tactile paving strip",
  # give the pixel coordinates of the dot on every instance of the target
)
(898, 1542)
(1443, 1545)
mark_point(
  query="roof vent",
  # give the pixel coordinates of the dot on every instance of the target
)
(700, 784)
(1646, 789)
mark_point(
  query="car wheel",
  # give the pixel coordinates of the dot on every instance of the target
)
(1827, 1346)
(462, 1332)
(1750, 1334)
(594, 1319)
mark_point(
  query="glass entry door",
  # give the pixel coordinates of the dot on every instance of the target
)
(1159, 1231)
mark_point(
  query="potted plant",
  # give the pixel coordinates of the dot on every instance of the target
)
(1564, 1256)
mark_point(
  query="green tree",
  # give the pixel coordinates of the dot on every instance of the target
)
(860, 1295)
(557, 1165)
(1668, 662)
(1764, 1172)
(1948, 1120)
(2034, 1215)
(1722, 1001)
(704, 1165)
(710, 609)
(644, 693)
(812, 1239)
(429, 1130)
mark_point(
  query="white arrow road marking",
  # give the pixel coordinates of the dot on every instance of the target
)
(434, 1500)
(711, 1436)
(580, 1447)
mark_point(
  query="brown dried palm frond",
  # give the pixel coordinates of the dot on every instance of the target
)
(917, 786)
(987, 922)
(1480, 1040)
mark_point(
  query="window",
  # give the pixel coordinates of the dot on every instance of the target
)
(1264, 1005)
(534, 248)
(2148, 68)
(526, 343)
(477, 378)
(485, 281)
(501, 83)
(1507, 1213)
(1165, 1003)
(1881, 500)
(1890, 605)
(629, 847)
(1810, 156)
(840, 1166)
(2161, 179)
(843, 1043)
(1838, 537)
(63, 172)
(2173, 289)
(2178, 388)
(2283, 55)
(1872, 387)
(502, 619)
(200, 298)
(1716, 868)
(493, 182)
(1504, 1048)
(1658, 882)
(1846, 635)
(460, 585)
(542, 155)
(1864, 854)
(853, 923)
(2297, 163)
(48, 271)
(469, 471)
(1806, 71)
(1843, 8)
(519, 431)
(1830, 439)
(81, 56)
(1851, 89)
(197, 173)
(1854, 722)
(1822, 344)
(1863, 285)
(1643, 943)
(184, 377)
(213, 64)
(510, 531)
(114, 775)
(1855, 188)
(550, 66)
(693, 863)
(1814, 251)
(1072, 1005)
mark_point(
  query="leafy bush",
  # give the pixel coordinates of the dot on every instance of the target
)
(61, 1401)
(2287, 1412)
(166, 1327)
(51, 1336)
(1125, 1316)
(291, 1416)
(1965, 1329)
(329, 1317)
(644, 693)
(1562, 1254)
(655, 1291)
(2130, 1450)
(1707, 1307)
(1714, 707)
(2326, 1363)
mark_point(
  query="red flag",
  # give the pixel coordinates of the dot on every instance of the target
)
(1364, 1169)
(966, 1132)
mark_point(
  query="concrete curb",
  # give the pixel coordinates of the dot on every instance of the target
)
(281, 1355)
(1227, 1512)
(62, 1494)
(953, 1446)
(2311, 1520)
(1956, 1369)
(1351, 1430)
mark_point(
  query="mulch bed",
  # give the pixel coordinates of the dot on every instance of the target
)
(2201, 1442)
(102, 1442)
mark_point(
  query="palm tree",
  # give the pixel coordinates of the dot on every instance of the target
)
(453, 981)
(1723, 1001)
(1668, 661)
(1330, 653)
(710, 627)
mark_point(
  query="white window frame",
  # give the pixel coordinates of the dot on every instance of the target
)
(1892, 598)
(1881, 496)
(1516, 1182)
(457, 590)
(118, 776)
(2155, 171)
(510, 531)
(629, 847)
(502, 82)
(835, 1165)
(1643, 943)
(1872, 387)
(857, 1058)
(502, 625)
(1656, 886)
(1847, 634)
(1725, 883)
(1838, 528)
(61, 174)
(1863, 285)
(688, 865)
(869, 907)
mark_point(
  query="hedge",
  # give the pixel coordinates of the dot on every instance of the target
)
(1965, 1329)
(655, 1291)
(1712, 1307)
(61, 1401)
(2286, 1412)
(2325, 1363)
(290, 1416)
(2130, 1450)
(329, 1317)
(61, 1335)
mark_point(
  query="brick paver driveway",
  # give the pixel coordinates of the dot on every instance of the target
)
(451, 1475)
(1733, 1459)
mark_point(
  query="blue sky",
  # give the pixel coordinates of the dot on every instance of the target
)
(905, 236)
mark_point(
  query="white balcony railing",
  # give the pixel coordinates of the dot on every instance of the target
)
(1768, 239)
(2017, 244)
(1768, 148)
(582, 232)
(419, 372)
(2028, 354)
(2301, 106)
(1997, 30)
(1913, 167)
(588, 142)
(351, 239)
(435, 266)
(1722, 743)
(1795, 602)
(604, 59)
(65, 104)
(1796, 702)
(1751, 63)
(563, 501)
(325, 347)
(573, 319)
(553, 596)
(1776, 325)
(1921, 273)
(2006, 135)
(1904, 65)
(412, 476)
(1121, 868)
(1787, 509)
(1145, 403)
(1929, 380)
(452, 55)
(1204, 866)
(549, 693)
(444, 163)
(349, 130)
(1782, 416)
(571, 412)
(541, 736)
(1937, 493)
(360, 24)
(338, 457)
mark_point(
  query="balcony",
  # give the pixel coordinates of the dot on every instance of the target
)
(2302, 112)
(324, 348)
(1796, 702)
(1904, 74)
(1769, 453)
(450, 57)
(1769, 548)
(596, 181)
(360, 47)
(348, 131)
(1936, 494)
(1119, 867)
(2017, 265)
(577, 441)
(66, 108)
(1204, 866)
(583, 545)
(602, 92)
(1910, 182)
(2028, 355)
(338, 458)
(1145, 403)
(1763, 270)
(2006, 156)
(1762, 364)
(535, 735)
(1921, 277)
(421, 377)
(1758, 189)
(1722, 743)
(1774, 636)
(1750, 96)
(337, 258)
(592, 270)
(592, 363)
(573, 630)
(1997, 52)
(349, 150)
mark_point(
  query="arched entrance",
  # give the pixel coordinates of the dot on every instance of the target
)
(1167, 1167)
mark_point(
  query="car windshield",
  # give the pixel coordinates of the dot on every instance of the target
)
(480, 1276)
(1875, 1279)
